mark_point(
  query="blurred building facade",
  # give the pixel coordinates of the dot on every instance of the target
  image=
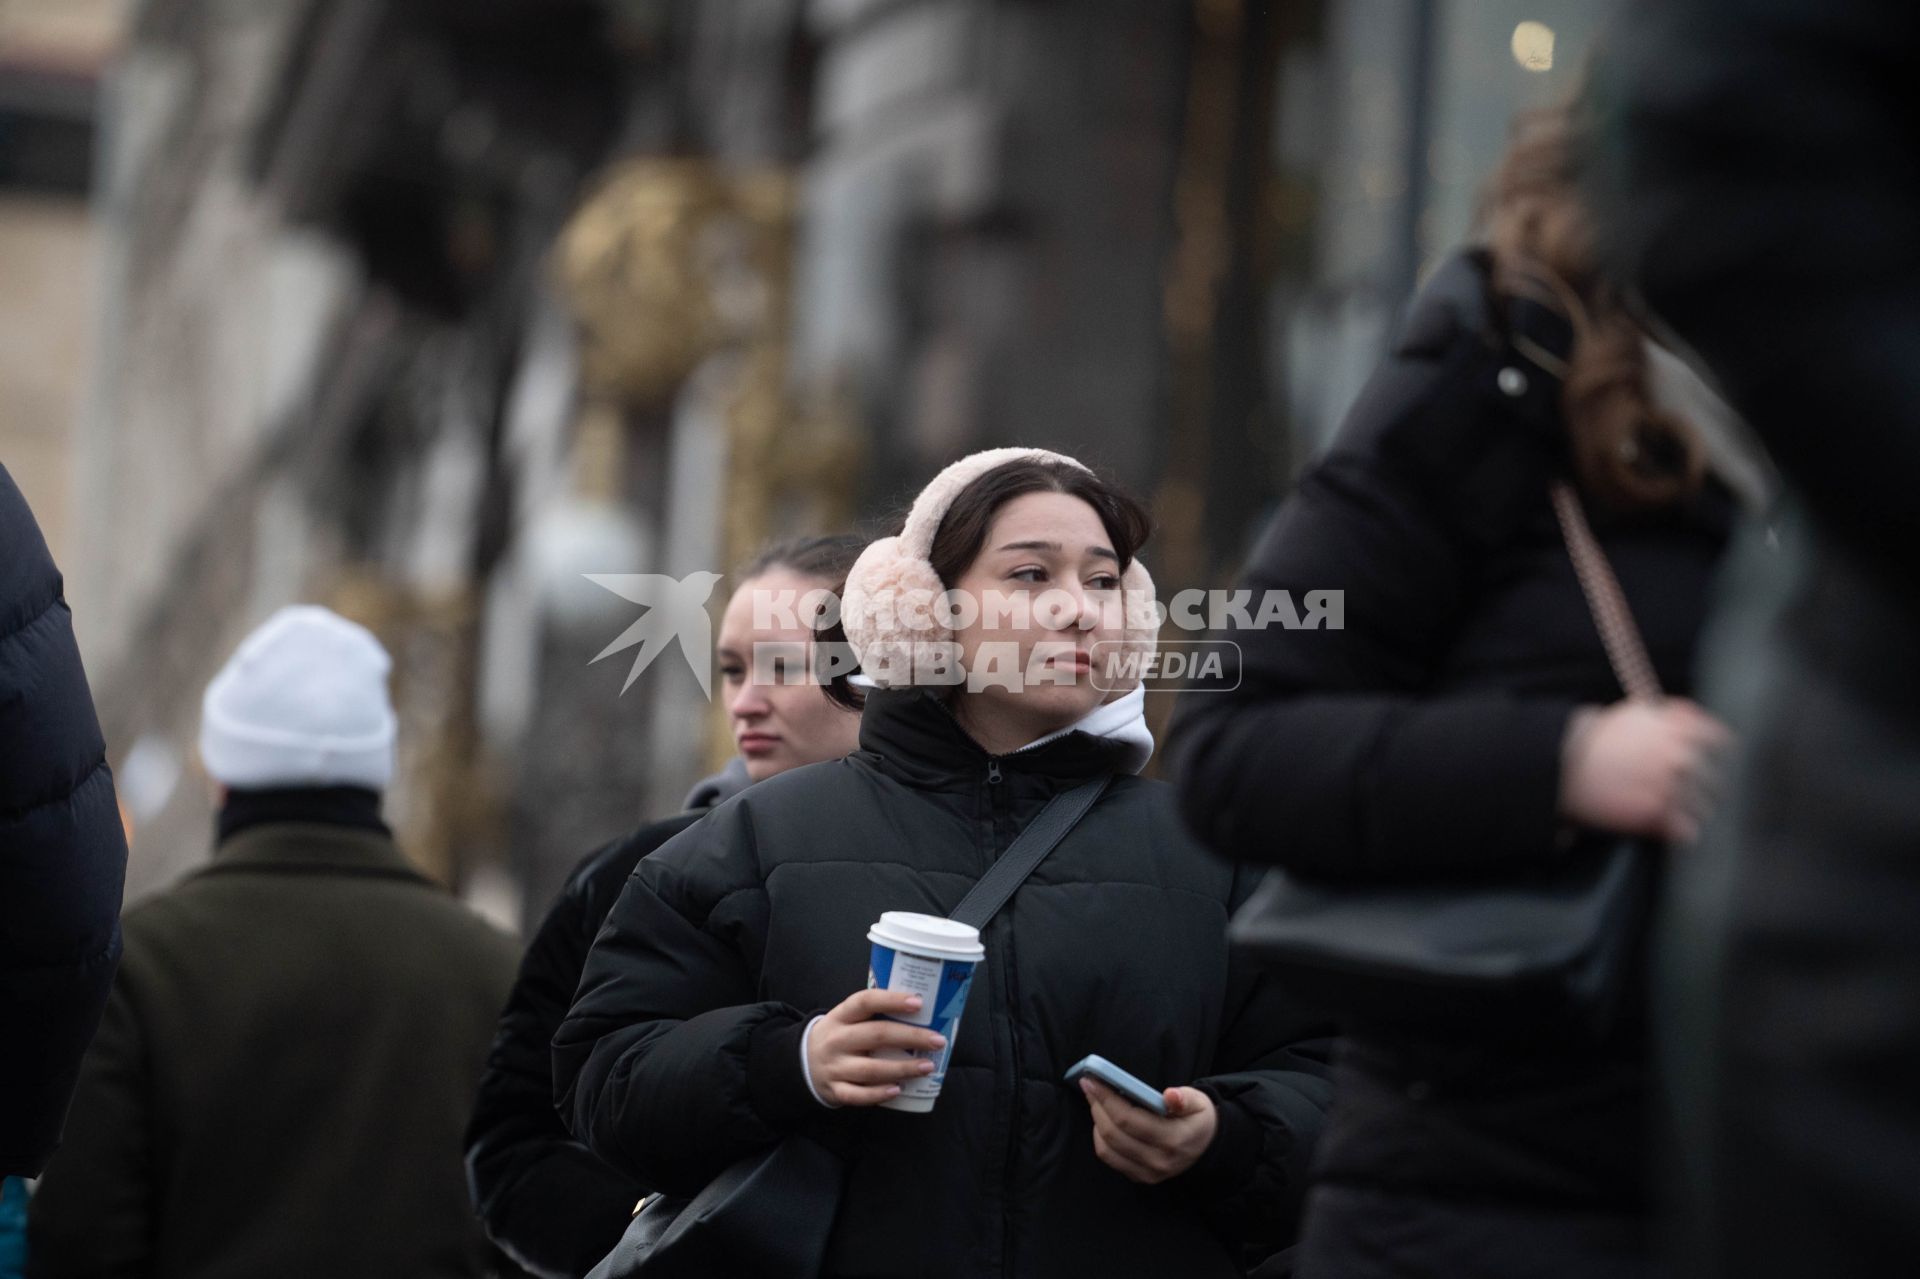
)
(52, 58)
(426, 309)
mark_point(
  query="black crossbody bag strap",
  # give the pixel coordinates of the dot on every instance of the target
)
(1062, 813)
(772, 1212)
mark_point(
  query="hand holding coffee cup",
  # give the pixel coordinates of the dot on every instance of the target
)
(842, 1049)
(932, 959)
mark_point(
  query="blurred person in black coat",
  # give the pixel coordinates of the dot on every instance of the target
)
(63, 853)
(550, 1202)
(1764, 193)
(1465, 723)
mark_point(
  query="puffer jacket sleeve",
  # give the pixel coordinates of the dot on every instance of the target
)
(543, 1196)
(1328, 756)
(667, 1066)
(63, 853)
(1271, 1091)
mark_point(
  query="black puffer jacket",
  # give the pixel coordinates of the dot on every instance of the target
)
(544, 1196)
(63, 855)
(1425, 736)
(682, 1052)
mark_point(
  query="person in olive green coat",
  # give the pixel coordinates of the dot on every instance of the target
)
(296, 1033)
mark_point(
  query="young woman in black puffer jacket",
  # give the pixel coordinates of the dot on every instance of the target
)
(1466, 720)
(722, 1007)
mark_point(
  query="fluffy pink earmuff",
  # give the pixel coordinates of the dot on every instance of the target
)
(894, 576)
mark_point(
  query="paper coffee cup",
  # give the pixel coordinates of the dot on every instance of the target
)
(935, 959)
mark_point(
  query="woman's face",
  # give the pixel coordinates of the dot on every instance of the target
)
(1047, 582)
(780, 716)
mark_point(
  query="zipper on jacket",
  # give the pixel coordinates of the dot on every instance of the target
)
(1010, 1168)
(1000, 1249)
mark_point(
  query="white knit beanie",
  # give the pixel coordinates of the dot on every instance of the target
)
(302, 702)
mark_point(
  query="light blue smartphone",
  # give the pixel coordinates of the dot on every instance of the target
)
(1120, 1081)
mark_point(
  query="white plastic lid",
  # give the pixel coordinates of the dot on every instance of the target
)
(928, 935)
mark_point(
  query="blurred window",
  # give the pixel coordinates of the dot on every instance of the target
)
(1388, 119)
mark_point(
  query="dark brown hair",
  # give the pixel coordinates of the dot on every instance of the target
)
(963, 531)
(1626, 453)
(828, 558)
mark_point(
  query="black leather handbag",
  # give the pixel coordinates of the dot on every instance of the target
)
(1554, 948)
(769, 1216)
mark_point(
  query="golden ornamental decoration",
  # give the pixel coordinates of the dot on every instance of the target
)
(635, 264)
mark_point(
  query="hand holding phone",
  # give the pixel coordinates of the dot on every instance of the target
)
(1095, 1066)
(1143, 1135)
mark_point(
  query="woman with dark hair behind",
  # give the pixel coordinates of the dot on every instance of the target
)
(543, 1196)
(722, 1009)
(1466, 723)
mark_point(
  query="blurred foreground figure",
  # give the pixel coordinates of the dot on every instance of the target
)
(294, 1039)
(1467, 730)
(63, 854)
(1766, 198)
